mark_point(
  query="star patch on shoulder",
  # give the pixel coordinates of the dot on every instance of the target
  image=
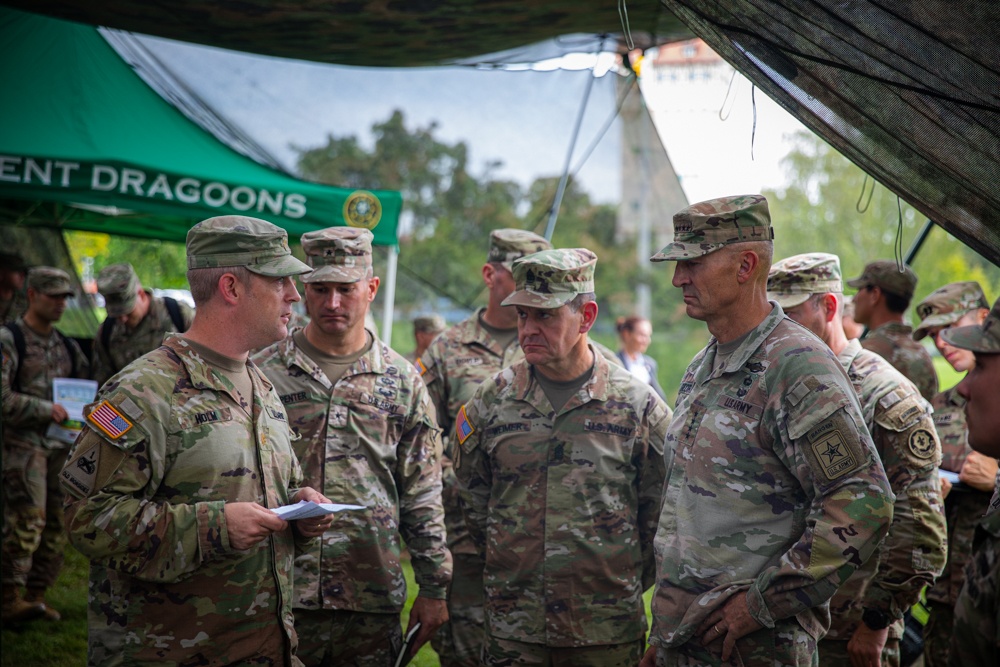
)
(463, 427)
(108, 420)
(922, 443)
(834, 456)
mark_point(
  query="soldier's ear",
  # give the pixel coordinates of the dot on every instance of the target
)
(589, 313)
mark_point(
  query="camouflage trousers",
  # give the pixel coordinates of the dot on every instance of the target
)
(937, 634)
(786, 644)
(507, 653)
(33, 526)
(336, 638)
(459, 642)
(833, 653)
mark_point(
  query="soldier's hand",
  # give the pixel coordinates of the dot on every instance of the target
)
(649, 659)
(945, 487)
(249, 523)
(979, 471)
(431, 614)
(728, 623)
(865, 648)
(317, 525)
(59, 414)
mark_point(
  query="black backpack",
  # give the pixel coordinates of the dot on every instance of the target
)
(21, 347)
(173, 309)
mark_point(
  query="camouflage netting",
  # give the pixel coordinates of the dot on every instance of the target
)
(909, 91)
(397, 33)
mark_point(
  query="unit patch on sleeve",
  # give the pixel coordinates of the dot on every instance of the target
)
(463, 427)
(922, 443)
(108, 420)
(834, 455)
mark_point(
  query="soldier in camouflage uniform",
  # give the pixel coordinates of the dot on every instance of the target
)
(952, 306)
(365, 434)
(33, 534)
(560, 461)
(456, 363)
(182, 457)
(774, 492)
(867, 611)
(425, 330)
(884, 294)
(137, 321)
(12, 297)
(975, 638)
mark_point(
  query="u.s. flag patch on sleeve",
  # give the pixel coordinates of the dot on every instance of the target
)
(107, 418)
(463, 427)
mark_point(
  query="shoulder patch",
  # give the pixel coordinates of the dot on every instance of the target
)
(106, 418)
(922, 443)
(463, 427)
(835, 457)
(420, 366)
(80, 473)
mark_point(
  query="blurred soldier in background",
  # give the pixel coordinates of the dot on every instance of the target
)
(34, 354)
(955, 305)
(137, 321)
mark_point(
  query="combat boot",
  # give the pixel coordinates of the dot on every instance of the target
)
(16, 610)
(37, 596)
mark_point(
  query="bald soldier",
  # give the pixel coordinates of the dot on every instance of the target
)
(365, 434)
(975, 639)
(455, 364)
(182, 459)
(867, 611)
(774, 493)
(137, 321)
(561, 465)
(884, 293)
(955, 305)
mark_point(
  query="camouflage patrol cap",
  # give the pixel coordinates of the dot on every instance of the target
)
(984, 339)
(236, 240)
(50, 281)
(119, 286)
(946, 305)
(338, 254)
(794, 279)
(507, 245)
(885, 274)
(551, 278)
(429, 323)
(707, 226)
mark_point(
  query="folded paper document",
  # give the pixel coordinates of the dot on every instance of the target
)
(306, 509)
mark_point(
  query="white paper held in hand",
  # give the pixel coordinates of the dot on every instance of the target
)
(306, 509)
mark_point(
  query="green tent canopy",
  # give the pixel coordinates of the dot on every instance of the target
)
(86, 144)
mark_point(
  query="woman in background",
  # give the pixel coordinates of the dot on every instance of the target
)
(635, 333)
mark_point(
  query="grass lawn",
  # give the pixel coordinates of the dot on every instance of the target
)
(64, 644)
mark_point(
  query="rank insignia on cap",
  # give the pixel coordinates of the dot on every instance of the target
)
(106, 418)
(463, 428)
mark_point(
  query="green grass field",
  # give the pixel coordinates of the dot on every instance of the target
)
(64, 644)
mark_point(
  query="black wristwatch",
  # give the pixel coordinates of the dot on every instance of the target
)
(875, 619)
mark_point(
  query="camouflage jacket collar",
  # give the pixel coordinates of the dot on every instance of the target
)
(373, 361)
(849, 353)
(750, 344)
(894, 329)
(952, 398)
(200, 372)
(526, 388)
(472, 332)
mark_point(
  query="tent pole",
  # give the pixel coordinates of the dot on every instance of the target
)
(390, 294)
(918, 242)
(554, 213)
